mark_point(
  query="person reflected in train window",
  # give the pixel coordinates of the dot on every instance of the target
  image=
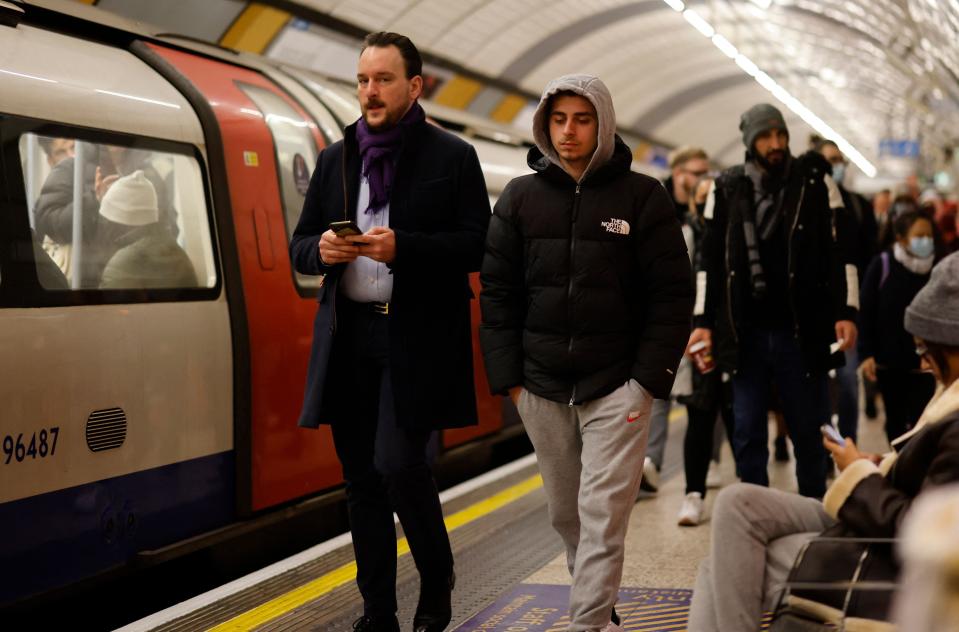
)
(391, 361)
(758, 532)
(146, 254)
(775, 279)
(53, 211)
(586, 304)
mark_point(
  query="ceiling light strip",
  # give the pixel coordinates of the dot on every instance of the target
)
(767, 82)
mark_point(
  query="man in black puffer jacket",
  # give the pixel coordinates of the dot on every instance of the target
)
(776, 280)
(586, 305)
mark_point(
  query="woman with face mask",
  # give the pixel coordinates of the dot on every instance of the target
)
(892, 280)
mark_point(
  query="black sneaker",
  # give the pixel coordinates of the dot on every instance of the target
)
(369, 623)
(781, 452)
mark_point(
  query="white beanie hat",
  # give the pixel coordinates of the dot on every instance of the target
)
(131, 201)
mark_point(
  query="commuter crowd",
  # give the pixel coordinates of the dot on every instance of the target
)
(771, 281)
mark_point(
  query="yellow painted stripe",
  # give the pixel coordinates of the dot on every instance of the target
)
(677, 413)
(458, 92)
(255, 28)
(347, 573)
(508, 108)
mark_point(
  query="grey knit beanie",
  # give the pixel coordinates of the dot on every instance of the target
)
(758, 119)
(933, 314)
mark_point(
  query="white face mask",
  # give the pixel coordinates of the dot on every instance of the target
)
(838, 172)
(921, 247)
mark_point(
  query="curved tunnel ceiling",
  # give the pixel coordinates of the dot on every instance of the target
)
(871, 69)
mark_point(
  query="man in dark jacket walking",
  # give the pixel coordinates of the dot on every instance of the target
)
(392, 346)
(586, 303)
(774, 279)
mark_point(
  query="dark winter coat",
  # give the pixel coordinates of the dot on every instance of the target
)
(817, 264)
(439, 211)
(148, 257)
(882, 334)
(863, 229)
(584, 286)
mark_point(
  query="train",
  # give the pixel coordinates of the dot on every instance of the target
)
(142, 419)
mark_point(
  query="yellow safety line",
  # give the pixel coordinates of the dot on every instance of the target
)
(255, 28)
(347, 573)
(677, 413)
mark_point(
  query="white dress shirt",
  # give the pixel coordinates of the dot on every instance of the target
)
(365, 280)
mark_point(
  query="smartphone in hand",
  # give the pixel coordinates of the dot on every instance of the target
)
(832, 435)
(346, 228)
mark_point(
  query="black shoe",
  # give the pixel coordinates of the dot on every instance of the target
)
(871, 412)
(781, 453)
(369, 623)
(434, 611)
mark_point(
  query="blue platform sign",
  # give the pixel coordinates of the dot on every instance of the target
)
(898, 148)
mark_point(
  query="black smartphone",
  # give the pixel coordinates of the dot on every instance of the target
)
(345, 228)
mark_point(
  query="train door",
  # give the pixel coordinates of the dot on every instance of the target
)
(270, 147)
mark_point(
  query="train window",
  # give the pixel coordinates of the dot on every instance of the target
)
(116, 217)
(296, 154)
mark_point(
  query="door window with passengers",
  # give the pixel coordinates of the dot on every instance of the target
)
(119, 217)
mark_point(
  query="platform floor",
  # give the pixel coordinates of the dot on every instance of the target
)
(507, 557)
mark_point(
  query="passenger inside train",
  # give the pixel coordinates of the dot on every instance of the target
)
(146, 255)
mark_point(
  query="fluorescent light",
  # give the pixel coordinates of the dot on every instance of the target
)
(699, 23)
(725, 45)
(767, 82)
(747, 65)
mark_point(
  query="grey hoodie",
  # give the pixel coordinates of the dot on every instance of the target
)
(598, 94)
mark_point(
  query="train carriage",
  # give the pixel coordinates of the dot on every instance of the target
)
(150, 413)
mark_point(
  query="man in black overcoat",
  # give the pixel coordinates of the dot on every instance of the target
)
(392, 348)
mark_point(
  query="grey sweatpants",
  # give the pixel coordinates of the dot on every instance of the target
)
(591, 460)
(658, 431)
(757, 532)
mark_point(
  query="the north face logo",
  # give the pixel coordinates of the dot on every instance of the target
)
(618, 226)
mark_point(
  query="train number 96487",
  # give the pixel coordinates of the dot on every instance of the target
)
(39, 445)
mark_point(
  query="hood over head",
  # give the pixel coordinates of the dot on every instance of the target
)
(593, 89)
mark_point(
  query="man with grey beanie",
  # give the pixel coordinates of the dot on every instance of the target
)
(774, 279)
(758, 532)
(586, 302)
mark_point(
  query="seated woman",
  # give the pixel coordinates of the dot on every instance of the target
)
(757, 532)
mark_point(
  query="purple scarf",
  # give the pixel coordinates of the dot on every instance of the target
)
(378, 151)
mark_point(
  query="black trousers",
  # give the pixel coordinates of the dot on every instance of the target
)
(904, 395)
(698, 442)
(386, 470)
